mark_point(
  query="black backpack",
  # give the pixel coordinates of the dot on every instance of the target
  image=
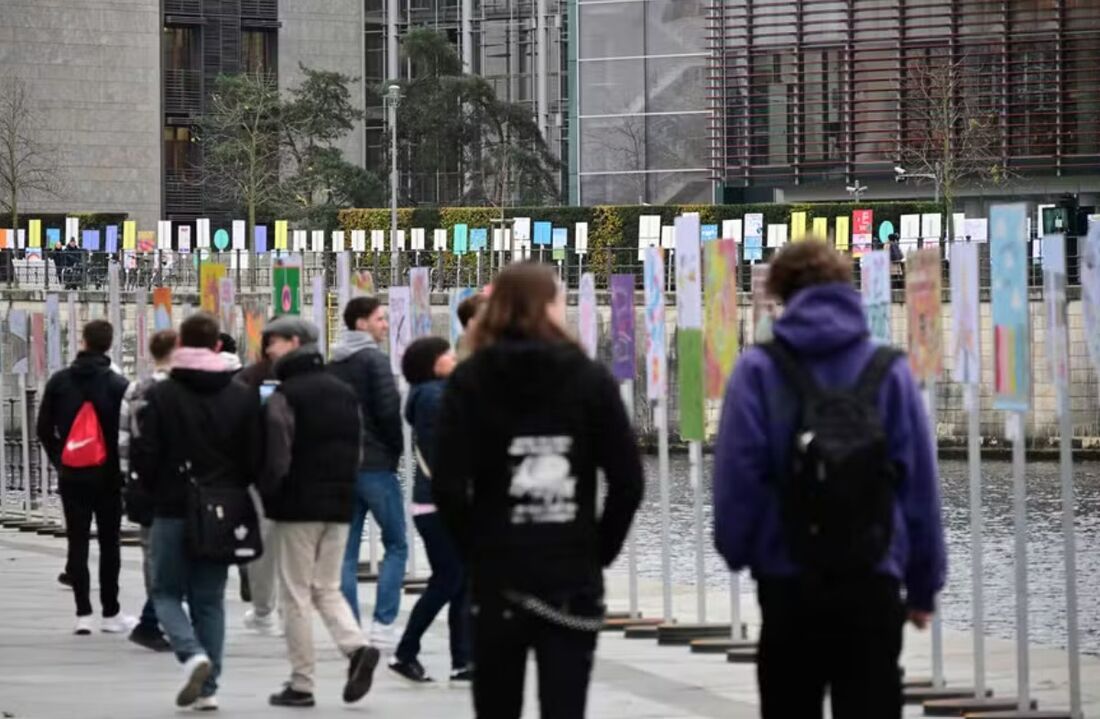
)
(837, 496)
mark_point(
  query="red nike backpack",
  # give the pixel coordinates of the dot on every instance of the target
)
(85, 446)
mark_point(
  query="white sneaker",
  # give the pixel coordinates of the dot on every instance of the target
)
(118, 624)
(205, 704)
(83, 626)
(383, 636)
(196, 670)
(266, 625)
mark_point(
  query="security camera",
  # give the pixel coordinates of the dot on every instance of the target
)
(899, 170)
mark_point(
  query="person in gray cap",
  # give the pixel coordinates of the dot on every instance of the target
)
(308, 490)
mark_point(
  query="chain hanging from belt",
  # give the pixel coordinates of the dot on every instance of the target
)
(553, 615)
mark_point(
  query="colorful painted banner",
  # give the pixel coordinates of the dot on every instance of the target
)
(1011, 323)
(1054, 297)
(141, 333)
(461, 241)
(255, 317)
(966, 325)
(53, 333)
(798, 226)
(722, 330)
(210, 277)
(479, 239)
(20, 341)
(286, 281)
(923, 302)
(543, 234)
(1090, 289)
(560, 243)
(874, 268)
(456, 296)
(862, 227)
(400, 326)
(184, 244)
(53, 238)
(162, 308)
(708, 233)
(689, 321)
(656, 347)
(72, 331)
(146, 241)
(624, 364)
(586, 315)
(227, 305)
(319, 310)
(765, 308)
(842, 233)
(421, 295)
(754, 237)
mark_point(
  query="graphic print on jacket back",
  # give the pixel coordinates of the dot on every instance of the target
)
(543, 489)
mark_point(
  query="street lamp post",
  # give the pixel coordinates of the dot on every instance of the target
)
(393, 96)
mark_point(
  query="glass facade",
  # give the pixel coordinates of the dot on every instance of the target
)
(641, 109)
(829, 91)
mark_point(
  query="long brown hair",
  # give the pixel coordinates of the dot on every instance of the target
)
(517, 307)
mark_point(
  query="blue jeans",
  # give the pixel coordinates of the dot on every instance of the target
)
(380, 494)
(178, 577)
(447, 585)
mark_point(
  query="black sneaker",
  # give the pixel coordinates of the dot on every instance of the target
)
(411, 670)
(150, 638)
(64, 580)
(291, 698)
(360, 673)
(462, 676)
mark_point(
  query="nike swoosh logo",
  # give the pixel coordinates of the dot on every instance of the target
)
(73, 445)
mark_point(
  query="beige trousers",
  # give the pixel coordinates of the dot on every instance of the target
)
(310, 555)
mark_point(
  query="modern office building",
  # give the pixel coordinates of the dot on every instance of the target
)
(816, 96)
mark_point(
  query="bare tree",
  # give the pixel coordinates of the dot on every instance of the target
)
(26, 165)
(949, 137)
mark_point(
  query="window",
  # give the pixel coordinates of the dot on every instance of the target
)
(823, 104)
(258, 52)
(180, 156)
(772, 88)
(181, 49)
(1032, 100)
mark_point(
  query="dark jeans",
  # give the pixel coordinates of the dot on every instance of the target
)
(503, 636)
(845, 639)
(82, 500)
(447, 585)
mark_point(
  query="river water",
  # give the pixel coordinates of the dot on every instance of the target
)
(1046, 568)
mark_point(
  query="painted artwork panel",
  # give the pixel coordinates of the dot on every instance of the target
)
(286, 281)
(319, 310)
(255, 317)
(923, 302)
(400, 326)
(586, 312)
(38, 346)
(765, 308)
(421, 294)
(210, 277)
(689, 355)
(874, 269)
(689, 280)
(53, 333)
(623, 361)
(1054, 299)
(656, 333)
(227, 305)
(362, 284)
(862, 227)
(966, 343)
(461, 244)
(20, 341)
(1090, 289)
(754, 237)
(842, 239)
(721, 322)
(456, 296)
(162, 308)
(1011, 323)
(141, 332)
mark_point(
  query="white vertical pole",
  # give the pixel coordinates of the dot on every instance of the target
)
(5, 507)
(627, 391)
(974, 464)
(26, 447)
(937, 621)
(735, 606)
(661, 416)
(406, 431)
(1019, 486)
(695, 457)
(1065, 457)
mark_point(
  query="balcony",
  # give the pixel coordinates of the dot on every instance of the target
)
(183, 7)
(183, 92)
(260, 9)
(183, 192)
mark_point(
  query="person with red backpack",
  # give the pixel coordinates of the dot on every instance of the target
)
(78, 428)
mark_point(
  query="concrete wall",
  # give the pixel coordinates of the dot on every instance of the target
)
(325, 35)
(93, 72)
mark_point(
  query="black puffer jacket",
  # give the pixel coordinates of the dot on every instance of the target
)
(312, 455)
(359, 362)
(202, 417)
(523, 430)
(89, 378)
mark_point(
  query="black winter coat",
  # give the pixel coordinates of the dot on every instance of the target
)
(368, 372)
(524, 427)
(89, 378)
(312, 423)
(202, 417)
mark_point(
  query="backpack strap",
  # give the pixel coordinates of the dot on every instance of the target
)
(797, 376)
(874, 372)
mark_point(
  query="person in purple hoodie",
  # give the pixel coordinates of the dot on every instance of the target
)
(836, 632)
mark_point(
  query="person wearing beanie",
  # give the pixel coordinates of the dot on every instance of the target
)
(308, 491)
(426, 365)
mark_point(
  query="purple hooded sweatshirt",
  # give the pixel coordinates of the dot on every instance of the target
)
(827, 330)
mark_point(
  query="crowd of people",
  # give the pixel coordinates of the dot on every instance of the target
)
(274, 468)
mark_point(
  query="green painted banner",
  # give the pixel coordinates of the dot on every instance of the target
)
(286, 280)
(689, 359)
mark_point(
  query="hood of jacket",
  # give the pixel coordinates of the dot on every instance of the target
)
(200, 370)
(823, 320)
(231, 360)
(354, 341)
(299, 361)
(89, 365)
(511, 365)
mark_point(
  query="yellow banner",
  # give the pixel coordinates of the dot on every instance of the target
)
(821, 228)
(129, 235)
(34, 233)
(798, 226)
(842, 225)
(210, 277)
(280, 234)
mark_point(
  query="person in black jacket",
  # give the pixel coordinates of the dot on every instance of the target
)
(359, 362)
(526, 423)
(198, 418)
(88, 491)
(308, 488)
(426, 365)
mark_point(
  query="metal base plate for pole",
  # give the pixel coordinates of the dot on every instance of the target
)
(1016, 714)
(973, 705)
(920, 695)
(641, 631)
(916, 682)
(683, 634)
(719, 646)
(741, 656)
(619, 624)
